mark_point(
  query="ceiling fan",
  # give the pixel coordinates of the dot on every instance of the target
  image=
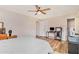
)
(39, 9)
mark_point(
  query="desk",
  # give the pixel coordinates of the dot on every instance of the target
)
(57, 34)
(4, 36)
(13, 36)
(47, 33)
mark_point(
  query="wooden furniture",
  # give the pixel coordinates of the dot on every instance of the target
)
(5, 36)
(13, 36)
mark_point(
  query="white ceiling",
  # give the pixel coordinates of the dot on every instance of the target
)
(56, 10)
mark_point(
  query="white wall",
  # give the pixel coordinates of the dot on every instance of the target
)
(21, 25)
(42, 27)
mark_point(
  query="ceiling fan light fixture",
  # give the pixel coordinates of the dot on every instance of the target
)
(39, 10)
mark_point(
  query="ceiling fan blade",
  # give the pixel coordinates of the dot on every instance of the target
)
(42, 12)
(46, 9)
(31, 10)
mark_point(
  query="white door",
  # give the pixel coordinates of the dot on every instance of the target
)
(41, 27)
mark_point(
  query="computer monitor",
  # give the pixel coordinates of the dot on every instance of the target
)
(51, 28)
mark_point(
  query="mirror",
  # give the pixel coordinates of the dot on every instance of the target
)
(2, 29)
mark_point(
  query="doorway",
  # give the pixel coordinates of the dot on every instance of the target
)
(41, 27)
(70, 28)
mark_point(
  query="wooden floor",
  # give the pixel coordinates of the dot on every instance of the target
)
(59, 47)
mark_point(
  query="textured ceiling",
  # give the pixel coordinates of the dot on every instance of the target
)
(56, 10)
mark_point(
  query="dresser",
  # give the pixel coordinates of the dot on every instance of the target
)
(73, 45)
(73, 48)
(5, 36)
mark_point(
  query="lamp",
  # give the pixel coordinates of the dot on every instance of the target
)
(10, 32)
